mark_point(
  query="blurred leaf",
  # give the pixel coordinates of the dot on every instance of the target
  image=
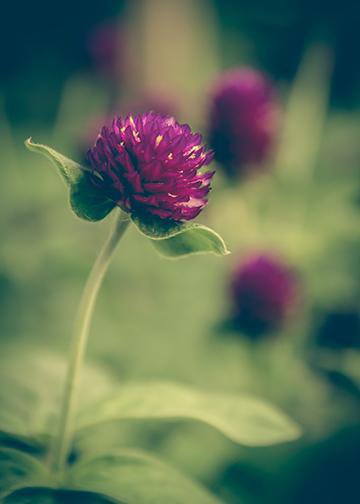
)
(18, 469)
(29, 407)
(346, 362)
(86, 201)
(350, 364)
(137, 478)
(32, 445)
(38, 495)
(245, 420)
(175, 239)
(306, 113)
(22, 410)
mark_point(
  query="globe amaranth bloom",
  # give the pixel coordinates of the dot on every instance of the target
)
(151, 165)
(263, 290)
(243, 120)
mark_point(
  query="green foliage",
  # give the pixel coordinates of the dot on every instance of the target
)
(245, 420)
(130, 477)
(136, 478)
(69, 170)
(85, 200)
(126, 477)
(18, 469)
(175, 239)
(40, 495)
(345, 363)
(30, 407)
(30, 410)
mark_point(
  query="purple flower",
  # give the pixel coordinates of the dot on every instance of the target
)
(106, 48)
(263, 291)
(243, 119)
(150, 164)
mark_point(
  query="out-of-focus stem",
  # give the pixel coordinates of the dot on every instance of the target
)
(86, 308)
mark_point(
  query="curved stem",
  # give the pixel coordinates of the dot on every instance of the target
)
(82, 326)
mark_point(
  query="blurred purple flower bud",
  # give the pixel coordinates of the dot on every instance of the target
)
(106, 48)
(263, 291)
(243, 120)
(159, 102)
(150, 164)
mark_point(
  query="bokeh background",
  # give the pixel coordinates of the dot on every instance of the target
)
(66, 67)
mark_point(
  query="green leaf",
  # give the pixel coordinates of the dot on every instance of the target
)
(70, 170)
(19, 469)
(347, 363)
(38, 495)
(175, 239)
(86, 201)
(137, 478)
(29, 444)
(29, 408)
(243, 419)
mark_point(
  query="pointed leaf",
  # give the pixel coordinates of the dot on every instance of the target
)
(18, 469)
(243, 419)
(86, 200)
(69, 170)
(174, 239)
(137, 478)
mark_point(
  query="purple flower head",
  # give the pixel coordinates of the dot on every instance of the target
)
(243, 119)
(151, 165)
(106, 48)
(263, 291)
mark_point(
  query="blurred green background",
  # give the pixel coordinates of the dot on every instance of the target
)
(163, 319)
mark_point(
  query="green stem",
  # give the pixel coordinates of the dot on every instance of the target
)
(82, 326)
